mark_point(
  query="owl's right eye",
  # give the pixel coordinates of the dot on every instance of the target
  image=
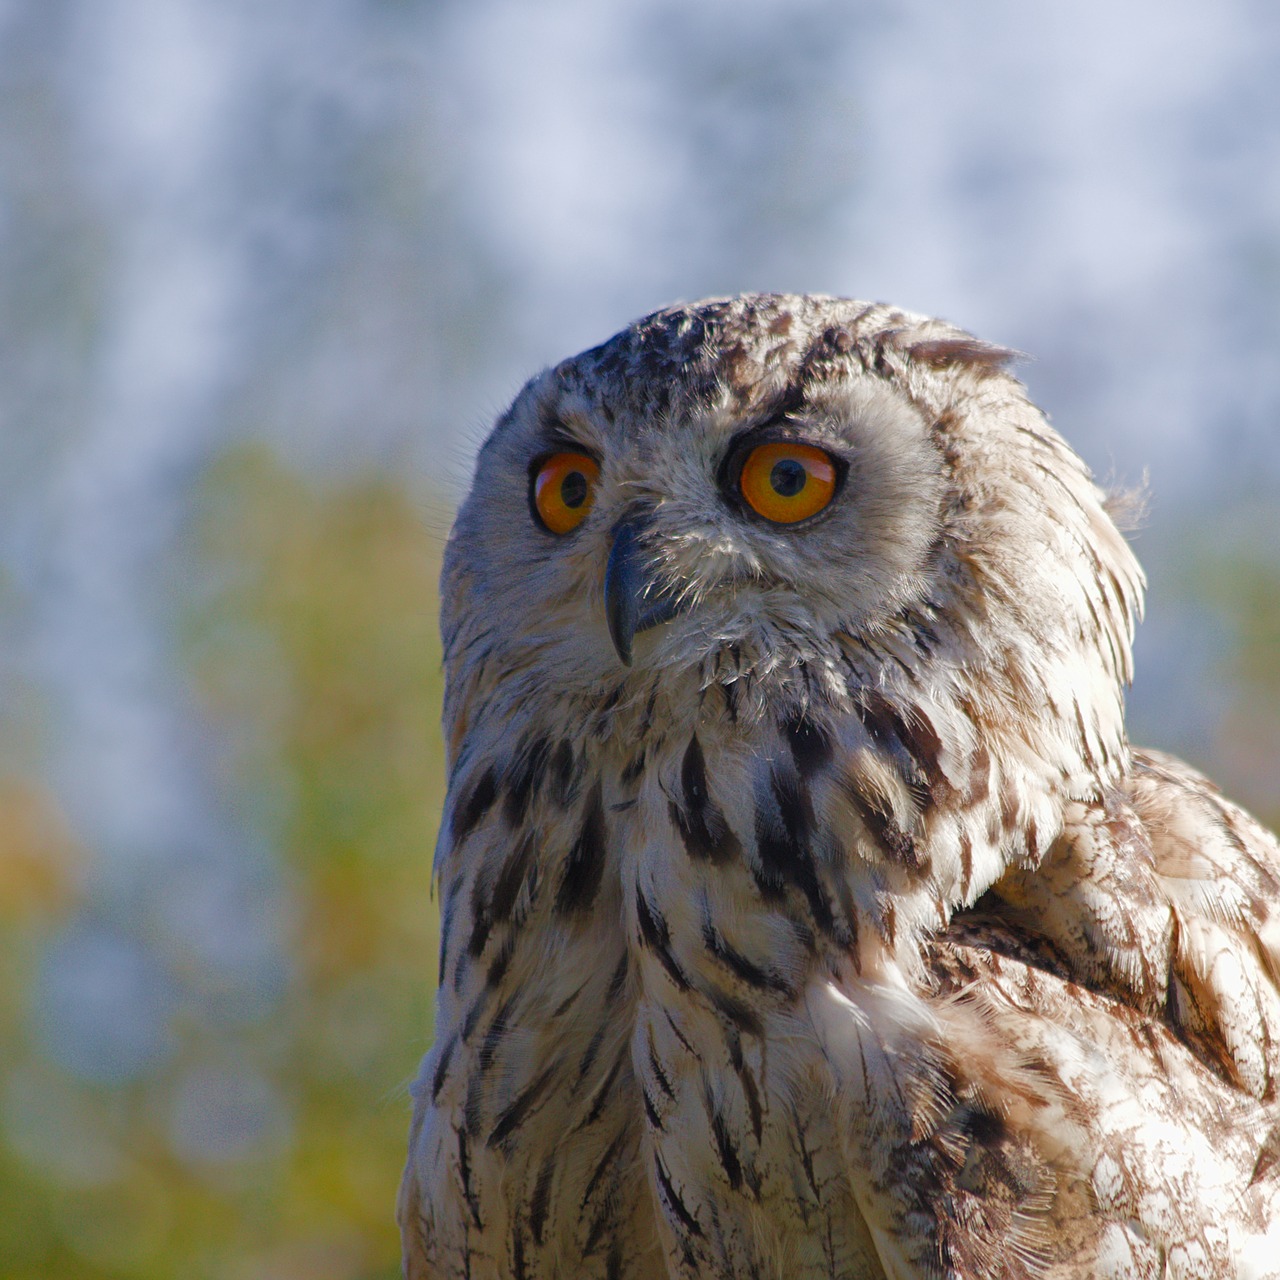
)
(562, 489)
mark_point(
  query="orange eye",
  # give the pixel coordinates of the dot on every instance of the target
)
(563, 489)
(785, 481)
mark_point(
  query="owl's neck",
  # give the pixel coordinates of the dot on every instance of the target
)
(859, 805)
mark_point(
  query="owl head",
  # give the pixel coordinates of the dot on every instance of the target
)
(794, 500)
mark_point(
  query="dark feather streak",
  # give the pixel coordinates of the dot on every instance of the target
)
(464, 1173)
(810, 744)
(564, 773)
(592, 1051)
(442, 1066)
(496, 1032)
(656, 936)
(506, 888)
(884, 829)
(743, 1017)
(613, 1264)
(618, 981)
(785, 840)
(698, 818)
(478, 1006)
(603, 1090)
(523, 778)
(501, 961)
(672, 1200)
(515, 1114)
(651, 1112)
(468, 811)
(481, 921)
(911, 744)
(448, 919)
(655, 1068)
(750, 1091)
(725, 1149)
(739, 965)
(679, 1035)
(540, 1201)
(584, 867)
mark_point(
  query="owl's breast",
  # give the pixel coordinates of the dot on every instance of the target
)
(826, 1075)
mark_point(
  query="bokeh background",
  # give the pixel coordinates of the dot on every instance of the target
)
(267, 272)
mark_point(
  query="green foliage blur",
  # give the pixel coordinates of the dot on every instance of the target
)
(1234, 571)
(314, 648)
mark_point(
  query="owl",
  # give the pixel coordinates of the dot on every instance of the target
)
(805, 910)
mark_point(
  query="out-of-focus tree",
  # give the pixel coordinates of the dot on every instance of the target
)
(1236, 570)
(266, 1144)
(40, 874)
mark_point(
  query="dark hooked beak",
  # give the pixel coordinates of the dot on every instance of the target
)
(633, 602)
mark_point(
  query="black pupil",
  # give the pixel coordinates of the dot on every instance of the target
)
(788, 477)
(573, 489)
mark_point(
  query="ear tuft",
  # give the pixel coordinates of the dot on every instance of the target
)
(942, 353)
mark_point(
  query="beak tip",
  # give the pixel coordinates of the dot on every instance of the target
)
(620, 633)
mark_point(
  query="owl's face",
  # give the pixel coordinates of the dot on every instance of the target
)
(767, 484)
(756, 524)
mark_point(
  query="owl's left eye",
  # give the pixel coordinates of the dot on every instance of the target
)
(786, 481)
(562, 489)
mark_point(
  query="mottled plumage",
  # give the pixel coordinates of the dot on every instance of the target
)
(842, 932)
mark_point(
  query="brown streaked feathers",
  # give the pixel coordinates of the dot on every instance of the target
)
(842, 933)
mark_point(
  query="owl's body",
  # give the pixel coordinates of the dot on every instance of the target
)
(836, 930)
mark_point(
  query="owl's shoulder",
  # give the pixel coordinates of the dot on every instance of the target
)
(1162, 895)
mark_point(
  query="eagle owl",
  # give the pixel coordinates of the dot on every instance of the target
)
(805, 910)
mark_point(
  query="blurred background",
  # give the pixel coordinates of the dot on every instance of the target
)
(267, 273)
